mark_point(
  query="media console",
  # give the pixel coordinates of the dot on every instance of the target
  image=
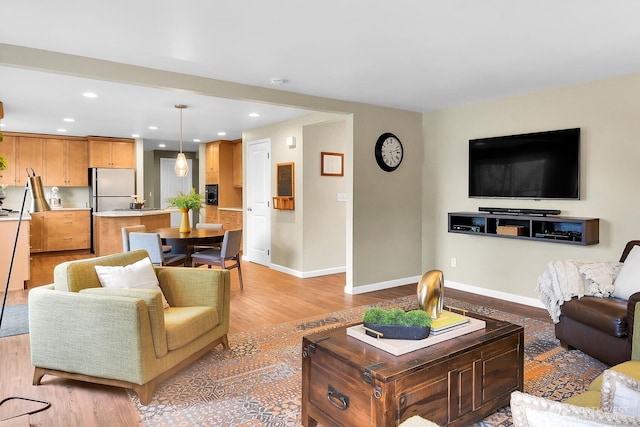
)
(556, 229)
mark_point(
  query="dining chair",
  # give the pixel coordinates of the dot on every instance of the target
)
(137, 229)
(153, 245)
(125, 234)
(229, 251)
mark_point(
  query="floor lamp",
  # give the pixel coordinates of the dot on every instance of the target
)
(38, 204)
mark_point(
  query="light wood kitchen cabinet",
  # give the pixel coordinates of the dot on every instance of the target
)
(36, 235)
(219, 164)
(237, 163)
(212, 162)
(21, 152)
(67, 230)
(65, 162)
(211, 214)
(230, 220)
(111, 153)
(28, 155)
(8, 151)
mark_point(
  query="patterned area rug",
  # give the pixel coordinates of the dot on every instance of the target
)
(258, 381)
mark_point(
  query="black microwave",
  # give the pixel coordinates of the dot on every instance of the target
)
(211, 194)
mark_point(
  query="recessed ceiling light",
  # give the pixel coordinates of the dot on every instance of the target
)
(254, 115)
(135, 135)
(162, 145)
(90, 95)
(222, 133)
(277, 82)
(153, 127)
(196, 140)
(69, 119)
(61, 130)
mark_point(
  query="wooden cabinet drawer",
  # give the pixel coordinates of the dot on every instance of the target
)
(67, 214)
(66, 226)
(68, 242)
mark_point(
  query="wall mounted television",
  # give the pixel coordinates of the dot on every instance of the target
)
(541, 165)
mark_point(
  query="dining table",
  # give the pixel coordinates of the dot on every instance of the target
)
(184, 243)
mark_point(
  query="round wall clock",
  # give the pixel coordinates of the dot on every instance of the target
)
(389, 152)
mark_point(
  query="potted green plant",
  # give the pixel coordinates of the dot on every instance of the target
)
(396, 323)
(186, 202)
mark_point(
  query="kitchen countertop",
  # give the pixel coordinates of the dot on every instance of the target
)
(13, 216)
(134, 212)
(70, 209)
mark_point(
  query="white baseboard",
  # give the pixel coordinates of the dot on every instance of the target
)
(381, 285)
(307, 274)
(533, 302)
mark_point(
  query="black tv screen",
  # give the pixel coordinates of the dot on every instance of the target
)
(542, 165)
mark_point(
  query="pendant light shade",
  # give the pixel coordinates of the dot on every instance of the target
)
(182, 167)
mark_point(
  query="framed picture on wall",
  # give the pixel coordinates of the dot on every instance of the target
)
(332, 164)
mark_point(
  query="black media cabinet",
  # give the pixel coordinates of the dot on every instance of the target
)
(553, 229)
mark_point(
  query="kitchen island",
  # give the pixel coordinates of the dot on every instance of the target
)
(107, 226)
(20, 272)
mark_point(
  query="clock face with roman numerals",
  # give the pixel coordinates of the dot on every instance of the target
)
(388, 152)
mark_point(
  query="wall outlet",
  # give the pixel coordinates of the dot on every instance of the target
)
(341, 197)
(454, 262)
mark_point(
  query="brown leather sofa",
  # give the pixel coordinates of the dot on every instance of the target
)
(600, 327)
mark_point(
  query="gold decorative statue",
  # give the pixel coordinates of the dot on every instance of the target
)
(431, 293)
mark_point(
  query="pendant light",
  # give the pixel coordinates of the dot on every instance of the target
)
(182, 167)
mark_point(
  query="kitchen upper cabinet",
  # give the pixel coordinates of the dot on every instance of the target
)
(65, 162)
(8, 151)
(111, 153)
(21, 152)
(219, 164)
(212, 162)
(28, 156)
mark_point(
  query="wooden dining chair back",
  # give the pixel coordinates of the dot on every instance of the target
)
(152, 243)
(125, 234)
(228, 252)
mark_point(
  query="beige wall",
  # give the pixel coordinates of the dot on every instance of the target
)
(324, 218)
(607, 113)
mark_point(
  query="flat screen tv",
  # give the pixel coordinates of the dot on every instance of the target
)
(541, 165)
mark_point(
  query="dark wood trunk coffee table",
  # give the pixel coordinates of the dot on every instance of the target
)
(346, 382)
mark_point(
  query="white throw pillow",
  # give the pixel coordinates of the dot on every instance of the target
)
(528, 410)
(139, 275)
(620, 393)
(628, 280)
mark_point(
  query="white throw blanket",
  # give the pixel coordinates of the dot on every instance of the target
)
(566, 279)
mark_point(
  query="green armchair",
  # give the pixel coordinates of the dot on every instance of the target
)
(124, 337)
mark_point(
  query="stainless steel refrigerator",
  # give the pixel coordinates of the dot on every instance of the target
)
(111, 188)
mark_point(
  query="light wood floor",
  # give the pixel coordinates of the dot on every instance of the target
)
(269, 298)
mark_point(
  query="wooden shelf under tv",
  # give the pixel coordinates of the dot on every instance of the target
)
(551, 229)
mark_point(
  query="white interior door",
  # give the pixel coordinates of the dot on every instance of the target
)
(170, 184)
(258, 228)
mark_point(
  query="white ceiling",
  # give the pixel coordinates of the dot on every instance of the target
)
(417, 55)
